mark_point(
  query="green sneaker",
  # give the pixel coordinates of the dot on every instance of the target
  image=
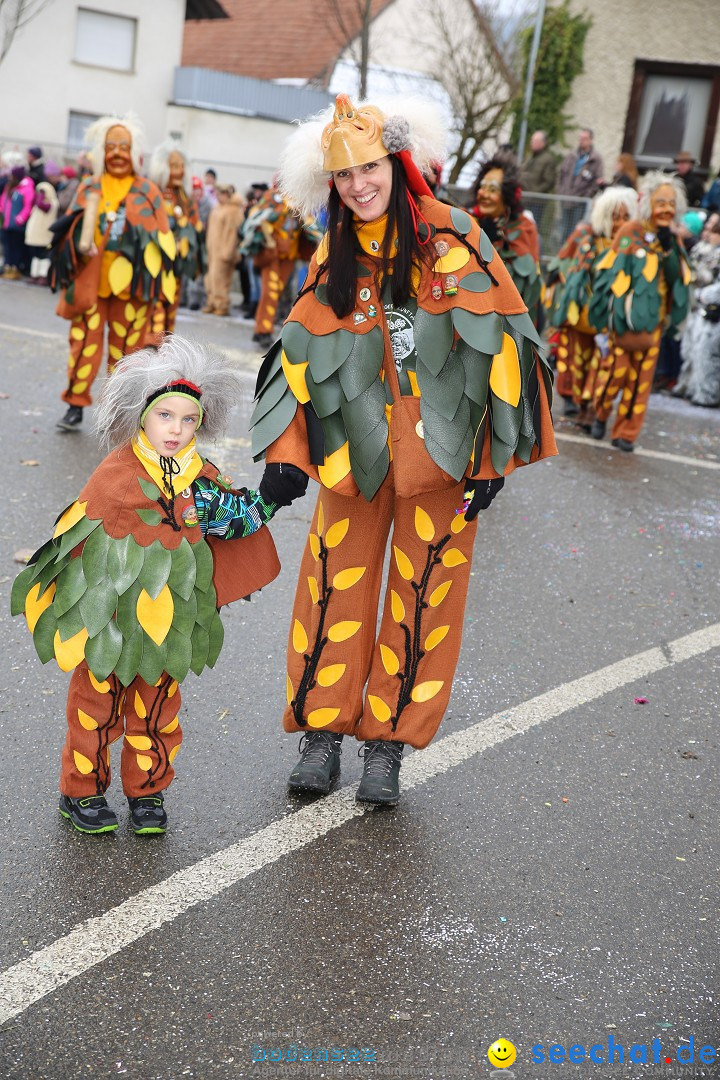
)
(147, 814)
(90, 814)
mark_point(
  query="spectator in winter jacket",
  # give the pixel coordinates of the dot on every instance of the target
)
(38, 237)
(685, 171)
(539, 170)
(36, 164)
(582, 169)
(16, 202)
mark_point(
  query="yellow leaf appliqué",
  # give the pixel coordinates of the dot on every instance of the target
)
(331, 674)
(424, 691)
(453, 557)
(320, 519)
(139, 742)
(403, 563)
(424, 525)
(380, 710)
(82, 764)
(313, 587)
(389, 659)
(396, 607)
(299, 637)
(320, 718)
(337, 533)
(314, 543)
(86, 721)
(345, 579)
(438, 595)
(146, 763)
(155, 616)
(140, 706)
(435, 637)
(341, 631)
(171, 726)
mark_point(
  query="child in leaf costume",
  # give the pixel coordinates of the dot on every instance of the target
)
(408, 383)
(126, 593)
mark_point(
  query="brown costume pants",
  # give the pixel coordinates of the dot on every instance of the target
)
(99, 713)
(631, 373)
(218, 281)
(274, 278)
(126, 321)
(583, 360)
(334, 649)
(163, 316)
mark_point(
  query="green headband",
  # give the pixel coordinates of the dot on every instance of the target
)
(166, 392)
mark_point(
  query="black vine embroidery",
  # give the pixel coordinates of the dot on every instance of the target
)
(115, 693)
(308, 681)
(158, 771)
(413, 649)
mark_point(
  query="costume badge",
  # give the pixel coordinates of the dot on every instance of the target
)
(420, 429)
(436, 290)
(364, 294)
(625, 241)
(186, 493)
(451, 285)
(374, 246)
(372, 311)
(358, 318)
(224, 480)
(649, 237)
(441, 248)
(190, 516)
(178, 211)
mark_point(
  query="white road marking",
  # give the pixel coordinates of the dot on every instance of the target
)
(34, 333)
(661, 455)
(97, 939)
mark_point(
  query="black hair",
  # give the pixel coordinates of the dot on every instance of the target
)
(343, 247)
(510, 190)
(212, 172)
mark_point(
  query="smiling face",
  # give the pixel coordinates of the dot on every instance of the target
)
(502, 1054)
(489, 194)
(366, 189)
(662, 206)
(176, 167)
(171, 424)
(118, 156)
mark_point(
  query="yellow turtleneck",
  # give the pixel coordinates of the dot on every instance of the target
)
(188, 462)
(371, 235)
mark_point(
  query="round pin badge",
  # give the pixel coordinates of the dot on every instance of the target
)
(365, 294)
(441, 248)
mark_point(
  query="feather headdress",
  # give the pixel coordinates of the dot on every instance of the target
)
(412, 124)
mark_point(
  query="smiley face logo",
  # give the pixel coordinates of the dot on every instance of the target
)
(502, 1054)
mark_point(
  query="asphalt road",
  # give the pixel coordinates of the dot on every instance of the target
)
(550, 876)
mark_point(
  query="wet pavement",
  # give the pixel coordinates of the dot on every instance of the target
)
(558, 886)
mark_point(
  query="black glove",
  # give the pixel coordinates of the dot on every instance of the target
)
(665, 237)
(489, 227)
(481, 493)
(282, 483)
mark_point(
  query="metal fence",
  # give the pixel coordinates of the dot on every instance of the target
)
(555, 216)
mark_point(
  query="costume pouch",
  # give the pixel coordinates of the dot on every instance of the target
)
(414, 471)
(639, 341)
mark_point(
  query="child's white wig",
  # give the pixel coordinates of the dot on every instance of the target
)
(124, 397)
(605, 204)
(417, 122)
(159, 171)
(648, 186)
(96, 134)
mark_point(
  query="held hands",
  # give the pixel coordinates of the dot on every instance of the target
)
(479, 494)
(281, 484)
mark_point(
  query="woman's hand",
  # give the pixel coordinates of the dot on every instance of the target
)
(480, 494)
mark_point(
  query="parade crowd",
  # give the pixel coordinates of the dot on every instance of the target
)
(409, 381)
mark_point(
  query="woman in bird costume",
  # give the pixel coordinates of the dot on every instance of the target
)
(641, 287)
(570, 293)
(126, 593)
(407, 383)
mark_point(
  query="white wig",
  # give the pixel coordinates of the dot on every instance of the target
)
(159, 171)
(124, 396)
(648, 186)
(96, 134)
(303, 181)
(603, 208)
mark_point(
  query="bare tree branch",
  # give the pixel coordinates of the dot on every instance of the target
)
(350, 20)
(14, 15)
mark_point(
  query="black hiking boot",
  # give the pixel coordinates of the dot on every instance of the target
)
(90, 814)
(381, 773)
(319, 762)
(72, 419)
(598, 429)
(624, 444)
(147, 814)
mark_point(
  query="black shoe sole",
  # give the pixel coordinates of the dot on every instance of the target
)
(312, 789)
(67, 427)
(377, 801)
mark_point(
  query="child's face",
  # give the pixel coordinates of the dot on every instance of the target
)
(170, 425)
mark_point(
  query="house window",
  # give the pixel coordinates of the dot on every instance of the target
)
(78, 123)
(104, 40)
(672, 107)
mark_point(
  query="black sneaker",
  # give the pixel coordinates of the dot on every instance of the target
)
(72, 419)
(624, 444)
(598, 429)
(319, 762)
(381, 773)
(569, 407)
(147, 814)
(90, 814)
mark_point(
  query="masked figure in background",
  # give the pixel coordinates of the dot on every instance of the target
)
(222, 248)
(273, 233)
(168, 167)
(408, 385)
(514, 235)
(571, 276)
(113, 259)
(641, 286)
